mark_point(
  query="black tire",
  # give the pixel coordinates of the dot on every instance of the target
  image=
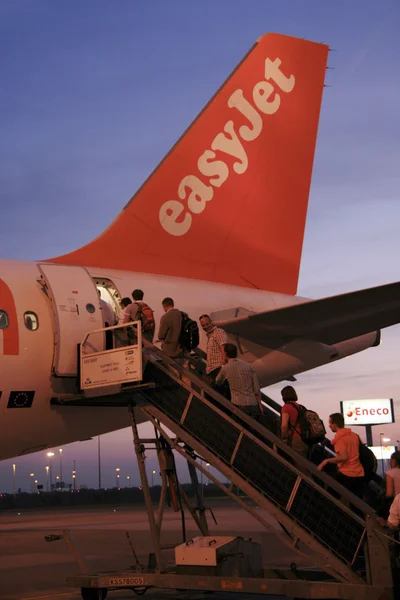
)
(93, 593)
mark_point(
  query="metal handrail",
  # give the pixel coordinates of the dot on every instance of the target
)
(305, 465)
(112, 328)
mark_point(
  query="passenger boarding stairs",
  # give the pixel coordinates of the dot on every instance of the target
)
(345, 540)
(318, 516)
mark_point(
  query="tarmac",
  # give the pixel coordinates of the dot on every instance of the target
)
(33, 569)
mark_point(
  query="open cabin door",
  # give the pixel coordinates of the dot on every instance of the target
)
(76, 307)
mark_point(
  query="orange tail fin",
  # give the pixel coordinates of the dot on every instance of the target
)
(228, 203)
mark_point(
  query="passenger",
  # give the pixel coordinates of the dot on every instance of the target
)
(393, 476)
(393, 520)
(216, 338)
(346, 444)
(140, 311)
(392, 486)
(290, 430)
(108, 320)
(393, 525)
(123, 337)
(123, 316)
(170, 329)
(243, 382)
(169, 334)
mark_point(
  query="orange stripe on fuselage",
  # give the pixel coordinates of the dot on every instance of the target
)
(10, 334)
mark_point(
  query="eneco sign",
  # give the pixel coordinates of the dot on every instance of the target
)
(367, 412)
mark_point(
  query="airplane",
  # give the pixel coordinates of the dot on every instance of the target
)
(219, 227)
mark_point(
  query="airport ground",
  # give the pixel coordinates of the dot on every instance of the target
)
(33, 569)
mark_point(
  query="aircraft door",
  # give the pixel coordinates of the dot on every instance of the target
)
(76, 307)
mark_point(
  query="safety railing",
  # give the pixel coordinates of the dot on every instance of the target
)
(111, 356)
(314, 507)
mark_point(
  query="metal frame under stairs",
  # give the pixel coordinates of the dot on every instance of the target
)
(235, 572)
(345, 541)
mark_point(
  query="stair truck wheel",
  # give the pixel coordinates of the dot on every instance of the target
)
(93, 593)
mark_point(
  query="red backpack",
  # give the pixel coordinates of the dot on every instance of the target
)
(146, 315)
(312, 429)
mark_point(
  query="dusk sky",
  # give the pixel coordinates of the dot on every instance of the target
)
(92, 96)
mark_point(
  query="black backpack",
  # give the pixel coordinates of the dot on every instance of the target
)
(368, 460)
(312, 428)
(189, 336)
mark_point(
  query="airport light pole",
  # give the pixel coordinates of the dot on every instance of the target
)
(383, 439)
(32, 475)
(117, 470)
(99, 460)
(74, 477)
(47, 477)
(152, 477)
(35, 484)
(50, 455)
(128, 480)
(14, 468)
(201, 481)
(60, 450)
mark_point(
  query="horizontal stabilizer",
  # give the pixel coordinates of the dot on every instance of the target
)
(328, 321)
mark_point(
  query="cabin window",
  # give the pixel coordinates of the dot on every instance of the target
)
(31, 321)
(90, 308)
(4, 322)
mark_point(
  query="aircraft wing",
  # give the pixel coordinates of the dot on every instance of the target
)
(329, 321)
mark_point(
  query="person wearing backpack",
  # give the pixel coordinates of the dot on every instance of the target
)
(140, 311)
(290, 423)
(347, 449)
(170, 329)
(175, 333)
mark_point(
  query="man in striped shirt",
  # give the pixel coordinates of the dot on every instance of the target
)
(243, 382)
(216, 338)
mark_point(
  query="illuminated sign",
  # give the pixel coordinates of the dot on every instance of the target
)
(367, 412)
(382, 452)
(111, 367)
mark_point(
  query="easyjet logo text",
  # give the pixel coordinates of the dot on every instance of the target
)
(194, 192)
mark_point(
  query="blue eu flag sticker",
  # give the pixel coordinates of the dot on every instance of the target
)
(20, 399)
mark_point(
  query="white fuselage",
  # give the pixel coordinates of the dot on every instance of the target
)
(46, 360)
